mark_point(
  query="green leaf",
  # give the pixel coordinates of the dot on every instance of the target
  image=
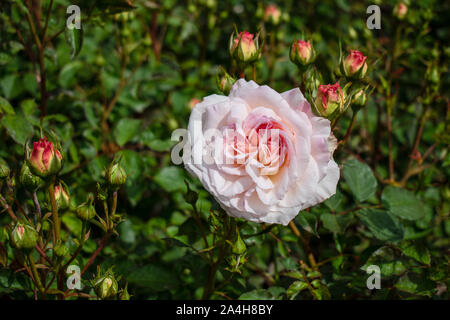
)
(153, 277)
(17, 127)
(68, 75)
(295, 288)
(416, 284)
(386, 259)
(5, 106)
(257, 294)
(308, 221)
(336, 223)
(416, 251)
(74, 38)
(334, 202)
(171, 179)
(383, 226)
(126, 129)
(72, 223)
(126, 232)
(360, 179)
(402, 203)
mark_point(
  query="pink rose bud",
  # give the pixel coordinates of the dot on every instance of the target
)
(302, 53)
(272, 14)
(244, 48)
(23, 236)
(400, 10)
(355, 64)
(329, 99)
(224, 81)
(45, 159)
(62, 197)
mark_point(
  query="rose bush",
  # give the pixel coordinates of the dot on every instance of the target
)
(276, 156)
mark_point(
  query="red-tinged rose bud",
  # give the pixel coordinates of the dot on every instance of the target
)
(193, 102)
(244, 47)
(329, 99)
(62, 197)
(400, 10)
(302, 53)
(45, 159)
(224, 81)
(355, 65)
(23, 236)
(272, 14)
(116, 176)
(4, 170)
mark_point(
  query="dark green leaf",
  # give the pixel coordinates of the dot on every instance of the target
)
(126, 129)
(153, 277)
(74, 38)
(416, 251)
(360, 179)
(18, 127)
(402, 203)
(383, 226)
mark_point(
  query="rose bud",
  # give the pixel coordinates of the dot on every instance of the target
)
(116, 176)
(244, 48)
(302, 53)
(4, 170)
(272, 14)
(400, 10)
(61, 250)
(329, 99)
(106, 286)
(355, 64)
(86, 211)
(45, 159)
(124, 295)
(224, 81)
(23, 236)
(359, 100)
(193, 102)
(28, 180)
(62, 197)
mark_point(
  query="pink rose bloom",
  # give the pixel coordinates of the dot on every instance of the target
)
(263, 155)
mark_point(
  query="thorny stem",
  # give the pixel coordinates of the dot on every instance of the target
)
(210, 283)
(8, 208)
(349, 130)
(107, 235)
(55, 217)
(36, 277)
(305, 243)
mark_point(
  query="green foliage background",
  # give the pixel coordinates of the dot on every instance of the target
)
(130, 87)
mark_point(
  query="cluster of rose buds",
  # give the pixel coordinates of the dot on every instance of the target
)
(40, 170)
